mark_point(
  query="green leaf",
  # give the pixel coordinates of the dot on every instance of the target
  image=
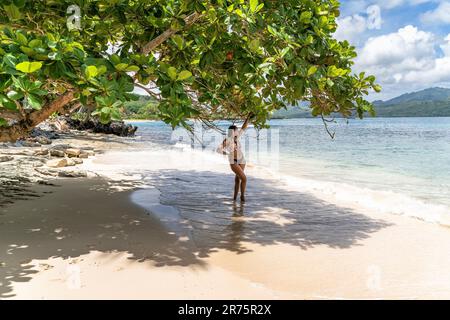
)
(185, 74)
(254, 45)
(19, 3)
(121, 66)
(12, 12)
(115, 115)
(305, 17)
(5, 102)
(34, 101)
(101, 70)
(14, 95)
(35, 43)
(334, 71)
(312, 70)
(132, 69)
(55, 56)
(253, 5)
(29, 67)
(3, 122)
(91, 72)
(377, 88)
(28, 51)
(39, 92)
(21, 38)
(172, 73)
(179, 41)
(115, 59)
(10, 60)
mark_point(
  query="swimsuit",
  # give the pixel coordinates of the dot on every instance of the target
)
(235, 155)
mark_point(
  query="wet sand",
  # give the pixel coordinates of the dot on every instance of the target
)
(155, 227)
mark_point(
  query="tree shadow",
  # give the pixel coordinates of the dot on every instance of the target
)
(88, 215)
(271, 215)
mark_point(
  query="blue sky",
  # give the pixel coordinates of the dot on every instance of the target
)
(405, 43)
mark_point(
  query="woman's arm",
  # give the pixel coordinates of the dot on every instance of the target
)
(222, 147)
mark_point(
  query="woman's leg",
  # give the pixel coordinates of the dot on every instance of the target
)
(238, 170)
(243, 183)
(237, 182)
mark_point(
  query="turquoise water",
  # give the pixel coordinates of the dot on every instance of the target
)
(407, 156)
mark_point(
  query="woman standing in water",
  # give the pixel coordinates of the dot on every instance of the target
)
(231, 146)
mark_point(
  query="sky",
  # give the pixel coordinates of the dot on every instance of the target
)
(404, 43)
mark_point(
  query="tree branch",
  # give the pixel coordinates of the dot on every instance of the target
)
(150, 92)
(12, 115)
(189, 20)
(21, 129)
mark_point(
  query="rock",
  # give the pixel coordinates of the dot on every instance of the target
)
(70, 162)
(57, 153)
(83, 155)
(41, 152)
(118, 128)
(31, 144)
(57, 163)
(23, 152)
(77, 160)
(71, 152)
(43, 140)
(61, 147)
(72, 174)
(44, 130)
(46, 172)
(6, 158)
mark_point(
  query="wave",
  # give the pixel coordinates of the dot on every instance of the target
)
(386, 202)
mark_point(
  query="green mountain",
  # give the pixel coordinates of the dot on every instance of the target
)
(432, 102)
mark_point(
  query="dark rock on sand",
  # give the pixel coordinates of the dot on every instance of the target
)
(6, 158)
(72, 174)
(57, 153)
(118, 128)
(44, 132)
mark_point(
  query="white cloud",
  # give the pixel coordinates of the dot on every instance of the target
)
(441, 14)
(352, 27)
(392, 50)
(406, 60)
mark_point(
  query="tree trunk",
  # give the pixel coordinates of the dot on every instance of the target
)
(23, 127)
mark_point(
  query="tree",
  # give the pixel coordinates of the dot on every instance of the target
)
(200, 59)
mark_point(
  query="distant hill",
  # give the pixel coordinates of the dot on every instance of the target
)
(432, 102)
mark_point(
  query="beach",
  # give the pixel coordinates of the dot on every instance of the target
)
(152, 223)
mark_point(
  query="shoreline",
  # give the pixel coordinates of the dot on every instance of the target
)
(135, 230)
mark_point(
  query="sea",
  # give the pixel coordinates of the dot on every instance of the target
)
(395, 165)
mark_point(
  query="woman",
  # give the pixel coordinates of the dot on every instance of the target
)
(231, 146)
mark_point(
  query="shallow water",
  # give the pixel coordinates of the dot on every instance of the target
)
(397, 165)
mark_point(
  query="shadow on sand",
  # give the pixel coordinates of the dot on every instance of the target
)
(86, 215)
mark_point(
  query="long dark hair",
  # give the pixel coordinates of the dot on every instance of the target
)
(230, 129)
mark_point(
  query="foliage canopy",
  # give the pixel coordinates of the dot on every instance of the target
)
(200, 59)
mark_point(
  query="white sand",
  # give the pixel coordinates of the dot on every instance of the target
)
(87, 240)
